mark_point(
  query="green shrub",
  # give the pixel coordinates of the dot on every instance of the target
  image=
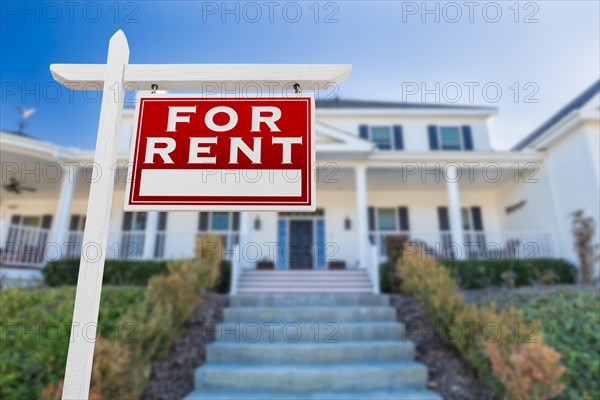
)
(478, 274)
(386, 276)
(570, 321)
(35, 330)
(116, 272)
(224, 283)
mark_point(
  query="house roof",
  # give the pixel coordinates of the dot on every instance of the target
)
(575, 104)
(17, 133)
(347, 103)
(337, 103)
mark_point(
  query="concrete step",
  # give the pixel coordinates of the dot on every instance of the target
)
(312, 377)
(324, 332)
(306, 272)
(305, 289)
(309, 314)
(309, 300)
(309, 353)
(398, 394)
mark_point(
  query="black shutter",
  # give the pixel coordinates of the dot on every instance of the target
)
(46, 221)
(371, 212)
(477, 218)
(398, 138)
(403, 218)
(443, 218)
(433, 138)
(15, 219)
(74, 224)
(236, 221)
(127, 218)
(467, 137)
(162, 221)
(363, 131)
(203, 223)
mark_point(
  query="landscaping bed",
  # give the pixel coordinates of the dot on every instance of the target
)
(569, 317)
(449, 374)
(173, 377)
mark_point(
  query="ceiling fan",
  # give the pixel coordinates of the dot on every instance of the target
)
(14, 186)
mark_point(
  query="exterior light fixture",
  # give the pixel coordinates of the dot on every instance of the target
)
(257, 223)
(347, 223)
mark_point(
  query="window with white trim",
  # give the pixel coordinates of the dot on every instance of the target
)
(382, 137)
(450, 138)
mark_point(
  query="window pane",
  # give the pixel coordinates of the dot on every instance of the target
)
(31, 221)
(219, 221)
(466, 218)
(386, 219)
(382, 137)
(450, 138)
(140, 221)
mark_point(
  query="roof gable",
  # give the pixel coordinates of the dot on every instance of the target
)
(575, 104)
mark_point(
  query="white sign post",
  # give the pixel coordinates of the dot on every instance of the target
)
(114, 77)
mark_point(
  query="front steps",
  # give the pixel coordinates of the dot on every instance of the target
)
(325, 346)
(304, 281)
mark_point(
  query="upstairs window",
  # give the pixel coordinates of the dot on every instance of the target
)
(450, 138)
(382, 137)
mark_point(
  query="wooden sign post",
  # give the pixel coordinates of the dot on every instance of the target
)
(113, 78)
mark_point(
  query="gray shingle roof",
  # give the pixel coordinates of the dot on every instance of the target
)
(343, 103)
(575, 104)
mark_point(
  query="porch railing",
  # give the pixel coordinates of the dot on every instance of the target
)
(130, 244)
(476, 245)
(24, 246)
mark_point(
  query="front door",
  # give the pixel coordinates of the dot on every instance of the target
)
(300, 246)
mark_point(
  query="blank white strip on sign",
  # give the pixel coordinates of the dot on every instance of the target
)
(221, 182)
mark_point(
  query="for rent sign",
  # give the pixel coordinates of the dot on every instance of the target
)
(191, 153)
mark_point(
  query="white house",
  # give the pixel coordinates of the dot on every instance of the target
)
(383, 168)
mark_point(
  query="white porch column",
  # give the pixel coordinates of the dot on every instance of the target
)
(245, 228)
(63, 210)
(150, 234)
(362, 228)
(456, 227)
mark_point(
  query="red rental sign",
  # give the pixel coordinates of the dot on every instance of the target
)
(226, 153)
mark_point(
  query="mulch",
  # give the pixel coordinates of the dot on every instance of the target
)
(449, 374)
(173, 377)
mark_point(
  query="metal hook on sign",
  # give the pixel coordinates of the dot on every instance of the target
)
(297, 89)
(154, 88)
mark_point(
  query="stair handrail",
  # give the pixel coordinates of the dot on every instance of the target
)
(235, 270)
(374, 268)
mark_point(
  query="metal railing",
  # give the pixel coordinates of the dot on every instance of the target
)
(476, 245)
(25, 246)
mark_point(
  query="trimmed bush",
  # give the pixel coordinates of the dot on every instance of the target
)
(479, 274)
(35, 330)
(116, 272)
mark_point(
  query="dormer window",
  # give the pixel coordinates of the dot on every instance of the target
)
(382, 137)
(453, 138)
(450, 138)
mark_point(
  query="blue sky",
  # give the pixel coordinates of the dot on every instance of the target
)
(546, 52)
